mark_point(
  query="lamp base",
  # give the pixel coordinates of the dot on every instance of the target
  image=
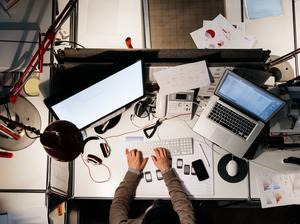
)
(22, 112)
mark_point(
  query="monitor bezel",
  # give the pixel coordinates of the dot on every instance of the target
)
(55, 99)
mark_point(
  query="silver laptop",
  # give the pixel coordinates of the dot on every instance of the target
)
(236, 113)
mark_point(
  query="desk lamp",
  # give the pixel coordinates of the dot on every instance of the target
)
(61, 139)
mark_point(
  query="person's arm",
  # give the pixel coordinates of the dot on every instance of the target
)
(180, 201)
(126, 191)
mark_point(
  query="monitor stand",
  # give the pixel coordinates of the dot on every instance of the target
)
(102, 128)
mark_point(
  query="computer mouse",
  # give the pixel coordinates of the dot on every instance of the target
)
(232, 168)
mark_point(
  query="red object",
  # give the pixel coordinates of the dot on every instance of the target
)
(128, 42)
(6, 155)
(39, 54)
(9, 132)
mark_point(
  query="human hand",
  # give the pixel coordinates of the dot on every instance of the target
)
(161, 159)
(135, 159)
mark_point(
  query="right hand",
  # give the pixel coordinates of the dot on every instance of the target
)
(161, 159)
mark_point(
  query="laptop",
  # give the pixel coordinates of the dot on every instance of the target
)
(236, 113)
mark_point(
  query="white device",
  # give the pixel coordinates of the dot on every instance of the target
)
(174, 104)
(180, 103)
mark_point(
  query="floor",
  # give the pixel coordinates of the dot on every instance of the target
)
(207, 212)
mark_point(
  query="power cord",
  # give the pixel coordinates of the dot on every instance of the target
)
(59, 42)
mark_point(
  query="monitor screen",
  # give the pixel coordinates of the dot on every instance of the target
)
(101, 99)
(248, 96)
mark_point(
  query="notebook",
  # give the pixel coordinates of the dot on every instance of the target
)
(236, 113)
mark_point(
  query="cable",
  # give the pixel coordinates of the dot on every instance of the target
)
(28, 136)
(59, 42)
(90, 174)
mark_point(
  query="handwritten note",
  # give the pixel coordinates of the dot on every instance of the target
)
(182, 77)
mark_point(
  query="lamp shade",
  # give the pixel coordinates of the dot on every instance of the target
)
(62, 140)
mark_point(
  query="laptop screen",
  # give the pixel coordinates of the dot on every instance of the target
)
(248, 97)
(102, 98)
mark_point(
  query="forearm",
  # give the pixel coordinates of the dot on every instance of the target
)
(181, 203)
(122, 198)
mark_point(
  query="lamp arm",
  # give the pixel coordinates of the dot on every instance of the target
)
(39, 54)
(32, 129)
(283, 58)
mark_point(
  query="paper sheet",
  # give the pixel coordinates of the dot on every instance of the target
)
(59, 176)
(217, 73)
(182, 77)
(278, 190)
(219, 34)
(194, 187)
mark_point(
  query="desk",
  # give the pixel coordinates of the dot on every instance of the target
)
(270, 161)
(27, 169)
(84, 187)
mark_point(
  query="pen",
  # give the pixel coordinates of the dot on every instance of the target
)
(204, 154)
(6, 154)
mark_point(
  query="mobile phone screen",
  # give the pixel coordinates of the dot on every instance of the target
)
(200, 170)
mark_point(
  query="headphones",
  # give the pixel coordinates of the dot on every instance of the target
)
(104, 149)
(95, 160)
(144, 108)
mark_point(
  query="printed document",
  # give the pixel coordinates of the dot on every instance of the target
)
(182, 77)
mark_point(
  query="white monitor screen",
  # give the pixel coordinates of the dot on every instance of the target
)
(102, 98)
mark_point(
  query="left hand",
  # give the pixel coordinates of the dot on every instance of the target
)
(135, 159)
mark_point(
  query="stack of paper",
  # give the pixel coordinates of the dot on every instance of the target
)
(278, 189)
(220, 33)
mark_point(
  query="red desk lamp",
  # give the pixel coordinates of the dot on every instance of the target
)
(62, 140)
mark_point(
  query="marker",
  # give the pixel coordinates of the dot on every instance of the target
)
(6, 154)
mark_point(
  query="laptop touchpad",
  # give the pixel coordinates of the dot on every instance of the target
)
(223, 137)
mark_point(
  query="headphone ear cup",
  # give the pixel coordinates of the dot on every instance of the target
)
(94, 159)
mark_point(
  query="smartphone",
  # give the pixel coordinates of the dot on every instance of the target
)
(148, 176)
(159, 175)
(186, 169)
(179, 164)
(200, 170)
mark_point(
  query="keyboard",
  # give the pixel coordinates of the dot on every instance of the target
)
(231, 120)
(176, 146)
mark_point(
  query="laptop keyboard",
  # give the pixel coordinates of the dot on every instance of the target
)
(231, 120)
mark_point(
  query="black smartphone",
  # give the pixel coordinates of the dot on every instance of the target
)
(200, 170)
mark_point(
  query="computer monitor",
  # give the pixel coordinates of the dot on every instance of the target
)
(101, 101)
